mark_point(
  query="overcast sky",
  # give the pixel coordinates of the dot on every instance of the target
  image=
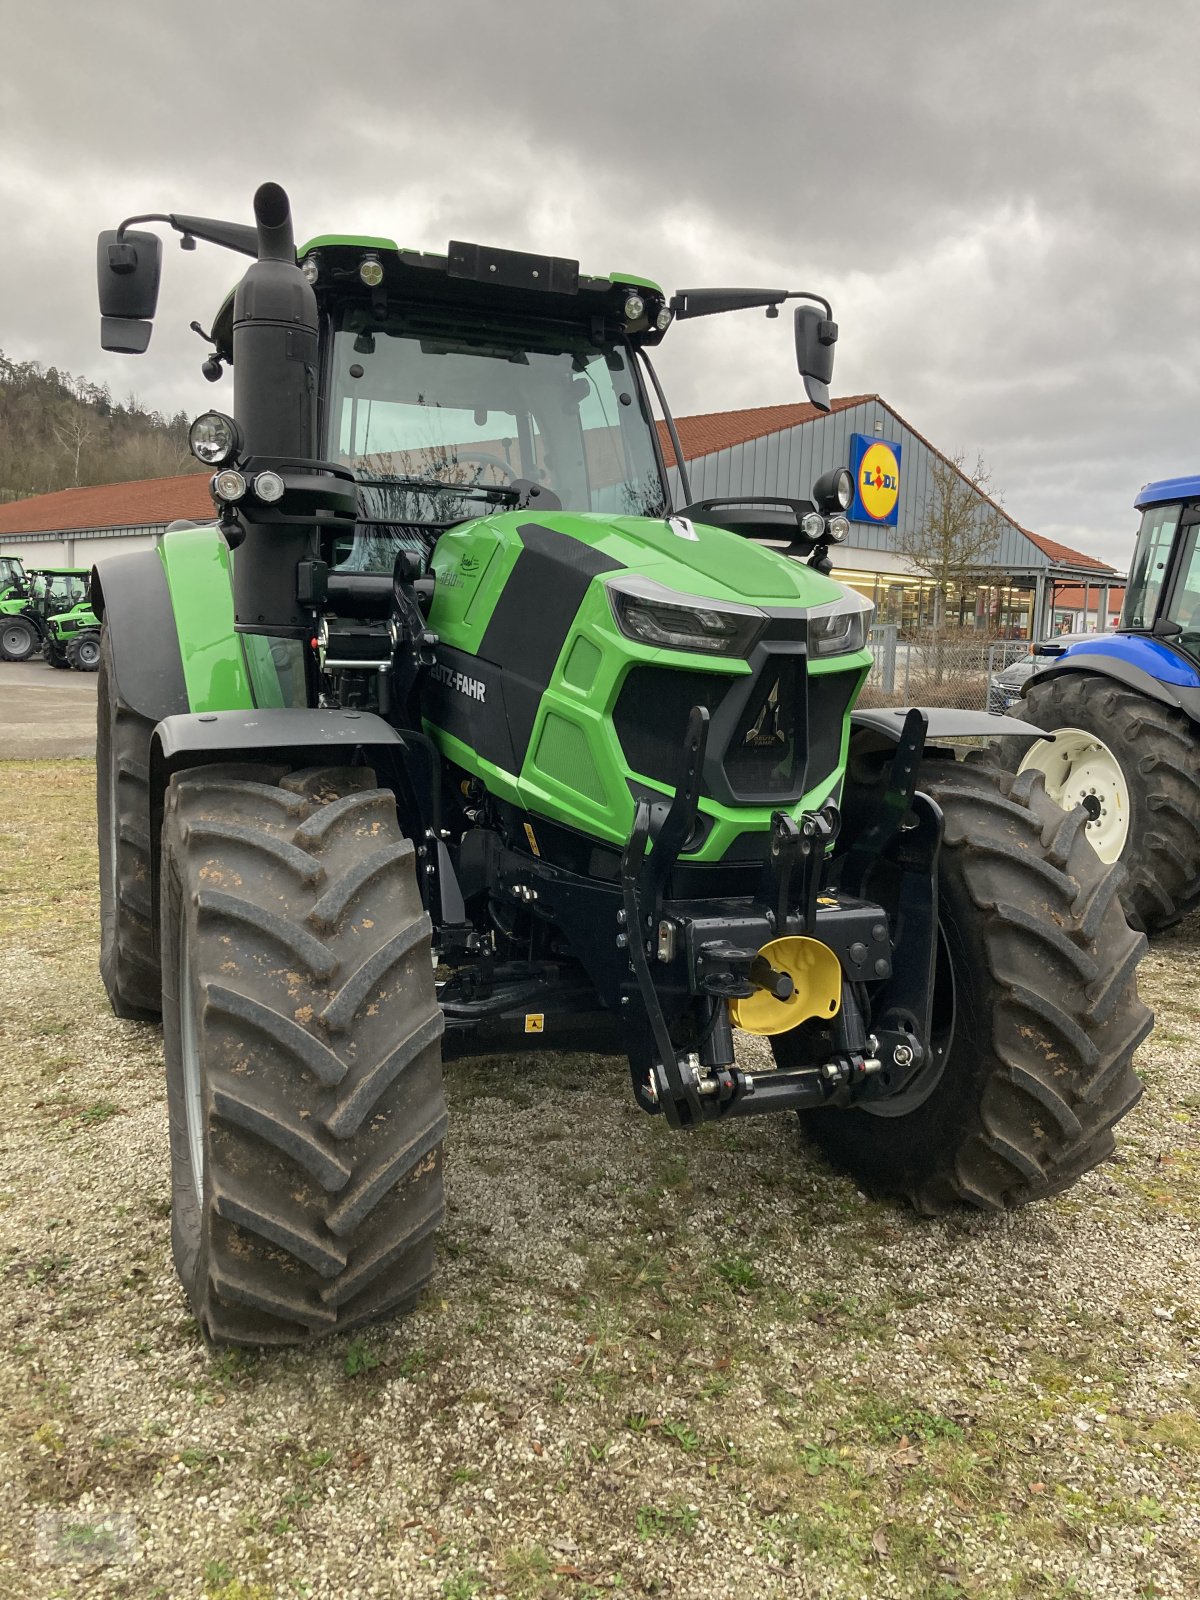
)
(1001, 200)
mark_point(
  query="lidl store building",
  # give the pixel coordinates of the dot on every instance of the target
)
(1034, 587)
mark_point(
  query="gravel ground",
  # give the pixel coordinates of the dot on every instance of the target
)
(45, 712)
(698, 1368)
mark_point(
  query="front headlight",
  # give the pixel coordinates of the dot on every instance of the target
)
(657, 616)
(214, 439)
(839, 629)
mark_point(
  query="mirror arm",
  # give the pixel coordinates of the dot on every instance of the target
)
(229, 235)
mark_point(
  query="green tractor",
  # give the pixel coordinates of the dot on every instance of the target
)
(25, 619)
(452, 736)
(73, 638)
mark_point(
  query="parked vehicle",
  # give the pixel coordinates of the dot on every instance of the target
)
(477, 746)
(1124, 710)
(25, 619)
(1007, 686)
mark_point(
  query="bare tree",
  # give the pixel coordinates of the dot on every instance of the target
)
(955, 540)
(75, 432)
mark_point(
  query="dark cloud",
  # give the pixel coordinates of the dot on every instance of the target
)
(1000, 200)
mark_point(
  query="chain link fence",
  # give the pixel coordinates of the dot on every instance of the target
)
(946, 668)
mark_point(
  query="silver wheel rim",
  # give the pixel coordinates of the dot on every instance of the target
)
(189, 1051)
(89, 652)
(1080, 769)
(16, 641)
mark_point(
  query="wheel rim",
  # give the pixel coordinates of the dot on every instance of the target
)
(189, 1051)
(16, 641)
(1080, 769)
(89, 653)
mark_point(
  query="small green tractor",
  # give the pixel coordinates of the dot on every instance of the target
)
(26, 619)
(451, 735)
(73, 638)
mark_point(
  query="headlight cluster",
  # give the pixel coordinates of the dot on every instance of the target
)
(657, 616)
(816, 527)
(653, 615)
(840, 628)
(217, 440)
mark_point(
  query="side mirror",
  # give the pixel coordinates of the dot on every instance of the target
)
(816, 336)
(127, 274)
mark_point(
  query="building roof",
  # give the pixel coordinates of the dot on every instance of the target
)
(1064, 556)
(1069, 596)
(710, 431)
(149, 501)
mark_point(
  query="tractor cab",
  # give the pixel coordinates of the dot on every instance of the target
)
(13, 584)
(55, 589)
(1163, 595)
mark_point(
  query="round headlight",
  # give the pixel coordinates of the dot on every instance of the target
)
(663, 320)
(214, 438)
(834, 491)
(311, 268)
(268, 487)
(812, 525)
(370, 270)
(839, 527)
(228, 485)
(634, 307)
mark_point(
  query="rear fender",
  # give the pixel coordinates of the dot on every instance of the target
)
(130, 596)
(1181, 697)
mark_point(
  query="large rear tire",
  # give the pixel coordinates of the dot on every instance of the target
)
(302, 1030)
(1037, 1012)
(1157, 752)
(128, 951)
(18, 639)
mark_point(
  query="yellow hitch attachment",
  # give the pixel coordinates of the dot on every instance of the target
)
(816, 975)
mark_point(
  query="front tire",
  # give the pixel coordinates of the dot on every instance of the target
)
(1157, 753)
(83, 652)
(302, 1030)
(128, 949)
(1037, 1002)
(53, 654)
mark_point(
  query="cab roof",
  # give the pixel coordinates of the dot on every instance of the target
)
(1166, 490)
(471, 276)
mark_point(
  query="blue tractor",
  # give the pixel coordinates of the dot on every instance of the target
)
(1124, 710)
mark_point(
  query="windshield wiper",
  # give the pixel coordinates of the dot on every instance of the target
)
(469, 491)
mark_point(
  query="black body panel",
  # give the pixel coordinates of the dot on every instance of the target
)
(532, 619)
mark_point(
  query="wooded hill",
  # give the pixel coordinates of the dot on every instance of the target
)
(58, 431)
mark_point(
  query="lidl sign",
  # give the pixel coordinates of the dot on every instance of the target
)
(875, 465)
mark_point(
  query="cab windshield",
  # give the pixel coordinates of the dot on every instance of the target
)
(57, 589)
(1149, 567)
(1184, 604)
(12, 574)
(439, 416)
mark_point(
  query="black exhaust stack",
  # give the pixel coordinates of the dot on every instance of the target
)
(275, 340)
(275, 406)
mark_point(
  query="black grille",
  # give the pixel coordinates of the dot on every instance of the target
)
(757, 744)
(829, 698)
(766, 753)
(651, 716)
